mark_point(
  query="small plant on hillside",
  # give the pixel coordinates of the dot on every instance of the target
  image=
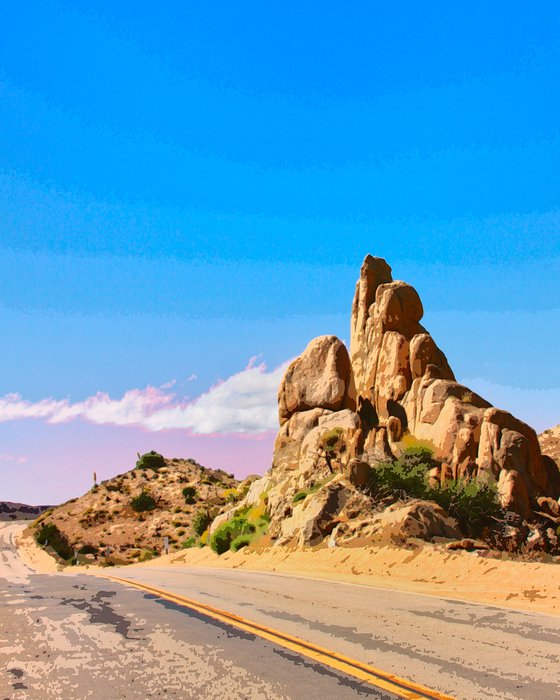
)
(143, 502)
(190, 542)
(222, 538)
(201, 522)
(50, 535)
(239, 542)
(150, 460)
(300, 496)
(190, 494)
(249, 522)
(471, 503)
(331, 446)
(88, 549)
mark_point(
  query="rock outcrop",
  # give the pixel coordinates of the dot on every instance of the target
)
(20, 511)
(394, 382)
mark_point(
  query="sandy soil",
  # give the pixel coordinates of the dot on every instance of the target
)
(423, 569)
(33, 555)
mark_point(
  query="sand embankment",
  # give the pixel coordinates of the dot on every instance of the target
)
(422, 569)
(34, 556)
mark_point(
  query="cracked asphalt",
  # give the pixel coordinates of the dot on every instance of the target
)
(77, 636)
(81, 636)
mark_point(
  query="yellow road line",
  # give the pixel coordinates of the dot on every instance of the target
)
(400, 687)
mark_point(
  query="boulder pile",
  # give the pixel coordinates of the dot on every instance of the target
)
(356, 408)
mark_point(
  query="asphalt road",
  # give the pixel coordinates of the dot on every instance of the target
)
(80, 636)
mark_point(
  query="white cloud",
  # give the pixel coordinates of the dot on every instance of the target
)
(244, 403)
(13, 458)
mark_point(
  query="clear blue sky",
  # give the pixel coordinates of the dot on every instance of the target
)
(186, 186)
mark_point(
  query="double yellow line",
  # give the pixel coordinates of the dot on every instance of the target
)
(400, 687)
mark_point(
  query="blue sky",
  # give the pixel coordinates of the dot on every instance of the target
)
(186, 187)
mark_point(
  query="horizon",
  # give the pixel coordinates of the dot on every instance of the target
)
(187, 194)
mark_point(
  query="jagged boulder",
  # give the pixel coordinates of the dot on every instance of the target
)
(314, 517)
(420, 519)
(319, 378)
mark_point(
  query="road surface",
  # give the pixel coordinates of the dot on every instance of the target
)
(81, 636)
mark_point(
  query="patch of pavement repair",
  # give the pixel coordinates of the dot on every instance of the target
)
(100, 611)
(78, 637)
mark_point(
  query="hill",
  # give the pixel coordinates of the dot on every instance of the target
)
(132, 513)
(20, 511)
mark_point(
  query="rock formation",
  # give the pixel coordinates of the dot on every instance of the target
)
(395, 381)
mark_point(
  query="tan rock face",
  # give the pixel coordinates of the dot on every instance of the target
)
(319, 378)
(550, 443)
(421, 519)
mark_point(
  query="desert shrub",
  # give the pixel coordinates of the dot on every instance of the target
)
(472, 504)
(190, 494)
(143, 502)
(88, 549)
(222, 538)
(249, 522)
(150, 460)
(231, 495)
(188, 543)
(331, 445)
(201, 522)
(239, 542)
(51, 535)
(300, 496)
(145, 555)
(404, 477)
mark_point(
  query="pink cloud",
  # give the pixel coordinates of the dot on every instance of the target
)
(245, 403)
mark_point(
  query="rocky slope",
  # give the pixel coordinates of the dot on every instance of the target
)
(20, 511)
(105, 517)
(342, 413)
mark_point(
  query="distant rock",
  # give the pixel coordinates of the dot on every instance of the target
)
(20, 511)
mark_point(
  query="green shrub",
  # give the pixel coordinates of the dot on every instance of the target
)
(190, 494)
(300, 496)
(190, 542)
(239, 542)
(145, 555)
(201, 522)
(88, 549)
(405, 477)
(143, 502)
(222, 538)
(471, 503)
(332, 445)
(150, 460)
(49, 534)
(247, 524)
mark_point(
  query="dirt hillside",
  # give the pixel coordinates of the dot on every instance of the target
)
(132, 513)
